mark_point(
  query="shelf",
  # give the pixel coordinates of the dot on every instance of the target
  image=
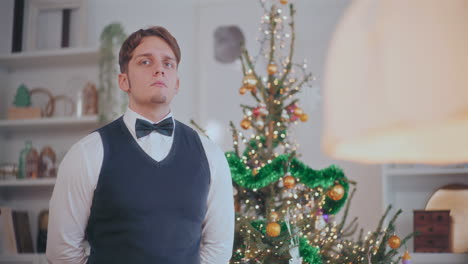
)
(30, 258)
(42, 123)
(446, 258)
(427, 170)
(409, 187)
(26, 190)
(45, 58)
(27, 182)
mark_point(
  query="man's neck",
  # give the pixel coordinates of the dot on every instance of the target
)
(155, 115)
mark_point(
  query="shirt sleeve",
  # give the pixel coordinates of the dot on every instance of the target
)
(218, 226)
(69, 206)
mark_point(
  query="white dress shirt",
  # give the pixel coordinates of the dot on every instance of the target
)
(77, 178)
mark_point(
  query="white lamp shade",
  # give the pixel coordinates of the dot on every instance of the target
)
(396, 83)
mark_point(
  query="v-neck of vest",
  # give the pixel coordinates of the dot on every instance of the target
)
(143, 152)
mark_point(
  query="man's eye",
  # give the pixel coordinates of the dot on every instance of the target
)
(145, 62)
(169, 64)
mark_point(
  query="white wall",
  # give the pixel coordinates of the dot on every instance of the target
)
(209, 91)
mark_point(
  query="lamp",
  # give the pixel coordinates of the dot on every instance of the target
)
(396, 83)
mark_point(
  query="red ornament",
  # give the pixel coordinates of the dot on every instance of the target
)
(291, 108)
(256, 111)
(260, 111)
(293, 118)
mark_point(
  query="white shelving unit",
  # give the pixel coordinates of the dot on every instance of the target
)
(409, 188)
(43, 58)
(48, 123)
(52, 69)
(27, 182)
(24, 258)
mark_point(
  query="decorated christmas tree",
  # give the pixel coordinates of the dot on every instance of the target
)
(285, 210)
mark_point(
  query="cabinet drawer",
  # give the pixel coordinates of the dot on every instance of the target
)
(432, 217)
(433, 229)
(426, 243)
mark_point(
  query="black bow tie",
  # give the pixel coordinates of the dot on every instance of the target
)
(144, 128)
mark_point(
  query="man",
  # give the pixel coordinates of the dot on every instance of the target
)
(144, 188)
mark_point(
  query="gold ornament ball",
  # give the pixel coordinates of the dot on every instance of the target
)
(242, 90)
(274, 216)
(273, 229)
(336, 192)
(289, 182)
(272, 69)
(283, 2)
(394, 242)
(298, 111)
(245, 124)
(250, 82)
(255, 171)
(406, 256)
(304, 117)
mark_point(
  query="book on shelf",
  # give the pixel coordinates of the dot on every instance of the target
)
(23, 237)
(15, 232)
(7, 233)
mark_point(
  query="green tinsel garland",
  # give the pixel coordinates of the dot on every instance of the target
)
(273, 171)
(310, 255)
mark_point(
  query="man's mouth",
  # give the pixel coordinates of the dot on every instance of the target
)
(159, 84)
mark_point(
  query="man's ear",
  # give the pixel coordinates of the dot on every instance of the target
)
(177, 85)
(123, 82)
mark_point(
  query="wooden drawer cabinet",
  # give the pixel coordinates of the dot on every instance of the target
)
(434, 231)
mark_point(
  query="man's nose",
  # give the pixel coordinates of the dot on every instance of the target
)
(158, 69)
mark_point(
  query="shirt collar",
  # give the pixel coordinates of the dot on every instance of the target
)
(131, 116)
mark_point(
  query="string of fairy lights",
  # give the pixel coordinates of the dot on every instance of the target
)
(276, 88)
(279, 199)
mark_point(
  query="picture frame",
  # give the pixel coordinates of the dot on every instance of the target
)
(77, 31)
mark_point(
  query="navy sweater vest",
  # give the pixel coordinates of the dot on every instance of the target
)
(144, 211)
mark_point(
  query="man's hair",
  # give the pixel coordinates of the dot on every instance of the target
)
(130, 44)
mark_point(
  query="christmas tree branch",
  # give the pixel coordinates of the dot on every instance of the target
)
(203, 131)
(288, 163)
(361, 232)
(292, 103)
(273, 24)
(299, 86)
(351, 228)
(271, 87)
(252, 92)
(242, 61)
(291, 49)
(247, 107)
(379, 227)
(235, 136)
(349, 181)
(260, 85)
(259, 130)
(345, 215)
(392, 221)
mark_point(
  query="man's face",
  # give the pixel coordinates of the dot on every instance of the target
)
(151, 79)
